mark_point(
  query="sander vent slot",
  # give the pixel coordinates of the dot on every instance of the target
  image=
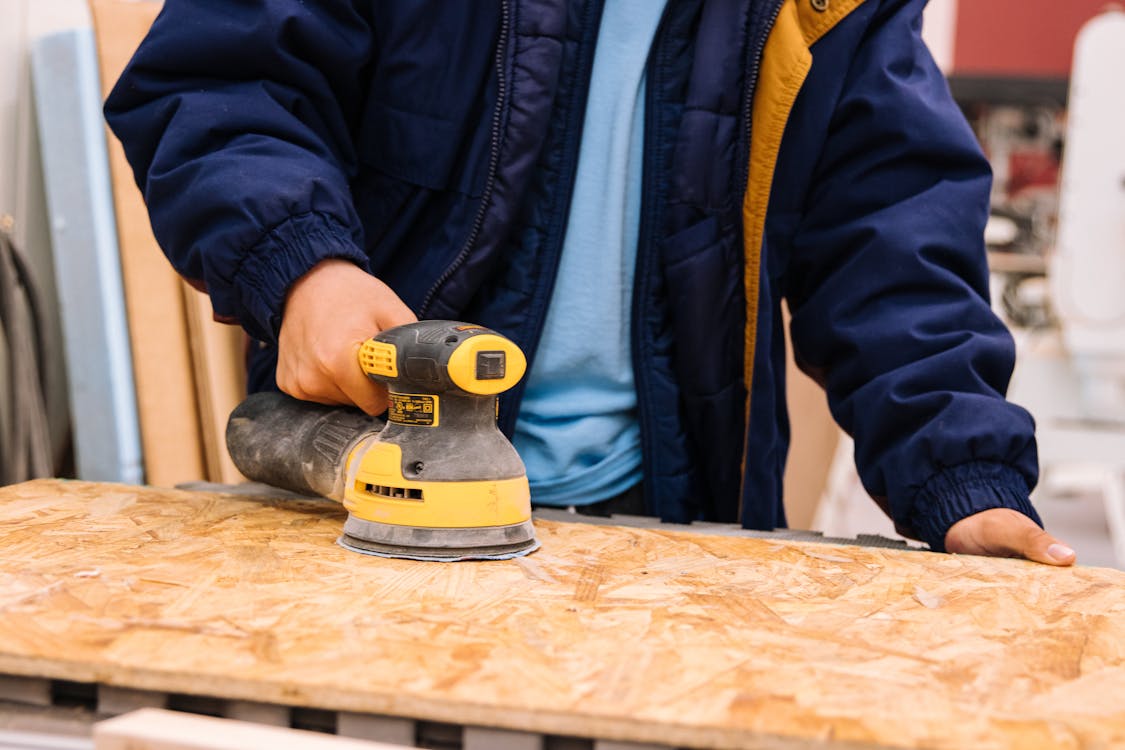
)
(379, 358)
(395, 493)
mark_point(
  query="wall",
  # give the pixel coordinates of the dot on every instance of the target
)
(1020, 38)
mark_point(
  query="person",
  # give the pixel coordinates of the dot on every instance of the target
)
(627, 189)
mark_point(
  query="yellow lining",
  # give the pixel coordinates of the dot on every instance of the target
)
(815, 24)
(786, 62)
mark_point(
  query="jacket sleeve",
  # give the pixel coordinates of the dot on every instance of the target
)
(237, 119)
(888, 286)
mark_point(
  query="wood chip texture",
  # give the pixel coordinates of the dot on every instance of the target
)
(637, 635)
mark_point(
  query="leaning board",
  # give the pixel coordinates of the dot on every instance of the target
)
(628, 634)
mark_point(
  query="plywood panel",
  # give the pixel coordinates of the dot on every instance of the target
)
(220, 381)
(154, 729)
(640, 635)
(170, 426)
(192, 365)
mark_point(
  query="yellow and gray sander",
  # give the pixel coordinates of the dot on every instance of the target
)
(438, 480)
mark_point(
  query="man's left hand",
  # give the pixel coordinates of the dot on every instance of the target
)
(1003, 532)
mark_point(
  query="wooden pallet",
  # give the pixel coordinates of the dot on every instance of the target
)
(62, 708)
(156, 729)
(610, 634)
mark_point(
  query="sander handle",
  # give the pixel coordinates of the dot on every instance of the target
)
(296, 445)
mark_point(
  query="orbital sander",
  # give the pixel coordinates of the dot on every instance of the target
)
(437, 480)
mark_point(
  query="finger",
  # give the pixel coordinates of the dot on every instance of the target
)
(1006, 532)
(361, 390)
(392, 311)
(1015, 534)
(368, 396)
(319, 390)
(398, 315)
(977, 535)
(329, 396)
(1039, 546)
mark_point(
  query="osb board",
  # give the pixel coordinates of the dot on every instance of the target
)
(626, 634)
(154, 301)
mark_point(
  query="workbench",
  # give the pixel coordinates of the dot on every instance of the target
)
(612, 634)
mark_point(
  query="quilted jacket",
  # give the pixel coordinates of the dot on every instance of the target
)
(805, 150)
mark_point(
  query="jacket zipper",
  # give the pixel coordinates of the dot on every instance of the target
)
(493, 159)
(748, 114)
(752, 85)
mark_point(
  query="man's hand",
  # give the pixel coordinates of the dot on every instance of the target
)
(1002, 532)
(329, 313)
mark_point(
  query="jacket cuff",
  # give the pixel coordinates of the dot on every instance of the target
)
(961, 491)
(281, 257)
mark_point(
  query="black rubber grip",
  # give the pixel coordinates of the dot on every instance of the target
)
(295, 445)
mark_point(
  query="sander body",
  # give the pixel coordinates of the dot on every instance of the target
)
(437, 480)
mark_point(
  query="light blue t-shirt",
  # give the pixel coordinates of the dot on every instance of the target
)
(577, 429)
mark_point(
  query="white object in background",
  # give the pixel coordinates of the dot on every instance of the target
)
(1079, 460)
(1078, 396)
(87, 267)
(153, 728)
(939, 30)
(37, 741)
(1087, 270)
(1000, 231)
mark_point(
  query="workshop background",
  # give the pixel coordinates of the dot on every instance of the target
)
(111, 369)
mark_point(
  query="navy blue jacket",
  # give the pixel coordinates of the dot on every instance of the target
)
(799, 149)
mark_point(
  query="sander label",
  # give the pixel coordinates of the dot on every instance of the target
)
(413, 409)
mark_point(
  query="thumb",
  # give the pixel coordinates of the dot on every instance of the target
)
(391, 311)
(1039, 546)
(1006, 532)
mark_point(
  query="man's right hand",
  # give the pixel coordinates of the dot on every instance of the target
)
(329, 313)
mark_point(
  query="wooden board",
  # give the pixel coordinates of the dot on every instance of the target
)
(189, 368)
(623, 634)
(220, 382)
(170, 433)
(154, 729)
